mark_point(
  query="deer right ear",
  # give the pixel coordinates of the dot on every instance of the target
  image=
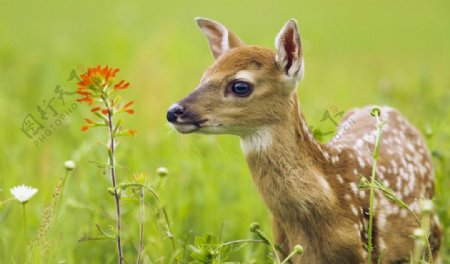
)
(289, 50)
(219, 38)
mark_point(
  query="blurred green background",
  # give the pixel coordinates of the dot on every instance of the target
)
(356, 53)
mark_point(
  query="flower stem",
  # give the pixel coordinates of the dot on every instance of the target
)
(141, 226)
(25, 228)
(372, 187)
(60, 199)
(113, 178)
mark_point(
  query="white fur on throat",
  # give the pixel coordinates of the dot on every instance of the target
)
(258, 141)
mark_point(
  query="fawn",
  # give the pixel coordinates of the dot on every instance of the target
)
(310, 189)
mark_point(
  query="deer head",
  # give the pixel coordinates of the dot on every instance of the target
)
(247, 87)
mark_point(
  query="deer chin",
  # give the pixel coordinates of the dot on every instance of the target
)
(185, 128)
(189, 127)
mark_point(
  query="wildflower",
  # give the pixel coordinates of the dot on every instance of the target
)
(23, 193)
(162, 172)
(69, 165)
(98, 89)
(96, 77)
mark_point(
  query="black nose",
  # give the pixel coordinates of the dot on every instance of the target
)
(174, 112)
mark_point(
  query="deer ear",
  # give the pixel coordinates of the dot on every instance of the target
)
(289, 50)
(219, 38)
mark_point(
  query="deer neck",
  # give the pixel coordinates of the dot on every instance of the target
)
(285, 162)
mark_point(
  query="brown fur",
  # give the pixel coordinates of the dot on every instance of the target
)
(311, 188)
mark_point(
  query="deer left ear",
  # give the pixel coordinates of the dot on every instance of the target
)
(289, 50)
(219, 37)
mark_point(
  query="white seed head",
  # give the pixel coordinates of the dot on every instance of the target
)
(427, 206)
(69, 165)
(419, 233)
(23, 193)
(162, 172)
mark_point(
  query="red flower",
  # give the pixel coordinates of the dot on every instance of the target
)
(94, 81)
(98, 86)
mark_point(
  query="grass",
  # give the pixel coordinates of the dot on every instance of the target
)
(383, 52)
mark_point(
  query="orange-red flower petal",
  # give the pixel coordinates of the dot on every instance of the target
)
(131, 132)
(89, 121)
(128, 104)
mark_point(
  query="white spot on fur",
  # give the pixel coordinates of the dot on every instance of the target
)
(347, 197)
(354, 210)
(403, 213)
(362, 194)
(381, 221)
(258, 141)
(340, 179)
(354, 187)
(325, 185)
(334, 159)
(361, 162)
(383, 245)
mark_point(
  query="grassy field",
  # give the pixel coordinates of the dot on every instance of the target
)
(356, 53)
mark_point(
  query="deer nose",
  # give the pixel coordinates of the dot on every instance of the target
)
(174, 112)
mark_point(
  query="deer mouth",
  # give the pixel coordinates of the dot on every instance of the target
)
(188, 127)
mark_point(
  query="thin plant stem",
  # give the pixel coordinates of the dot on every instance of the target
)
(113, 178)
(288, 257)
(63, 183)
(267, 241)
(242, 241)
(141, 226)
(372, 186)
(227, 244)
(25, 227)
(161, 208)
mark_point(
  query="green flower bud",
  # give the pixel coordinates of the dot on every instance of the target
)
(298, 249)
(375, 111)
(253, 227)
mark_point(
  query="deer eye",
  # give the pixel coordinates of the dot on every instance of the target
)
(241, 88)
